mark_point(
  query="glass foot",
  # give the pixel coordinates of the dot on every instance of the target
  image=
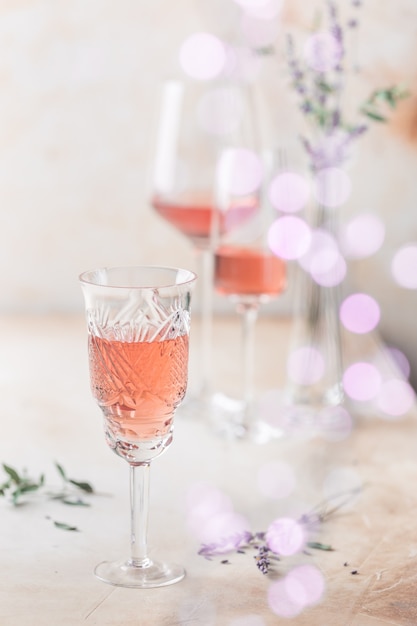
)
(307, 422)
(231, 419)
(126, 574)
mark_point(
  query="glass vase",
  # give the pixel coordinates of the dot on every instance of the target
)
(314, 395)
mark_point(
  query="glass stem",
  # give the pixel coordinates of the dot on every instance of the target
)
(139, 513)
(206, 294)
(249, 313)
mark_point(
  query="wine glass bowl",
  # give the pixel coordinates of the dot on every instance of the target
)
(196, 119)
(249, 274)
(138, 322)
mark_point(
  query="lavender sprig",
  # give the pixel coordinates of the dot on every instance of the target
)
(265, 558)
(320, 93)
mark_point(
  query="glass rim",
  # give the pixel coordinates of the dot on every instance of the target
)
(83, 277)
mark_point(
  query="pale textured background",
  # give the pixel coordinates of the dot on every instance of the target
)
(78, 90)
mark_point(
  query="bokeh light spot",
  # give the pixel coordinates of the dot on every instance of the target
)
(305, 585)
(336, 272)
(224, 529)
(403, 266)
(276, 479)
(285, 536)
(322, 253)
(362, 381)
(289, 237)
(239, 172)
(279, 601)
(400, 361)
(211, 518)
(332, 187)
(204, 502)
(289, 192)
(360, 313)
(202, 56)
(362, 236)
(305, 365)
(322, 51)
(396, 397)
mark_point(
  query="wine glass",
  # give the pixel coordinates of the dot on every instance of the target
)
(138, 327)
(196, 118)
(247, 272)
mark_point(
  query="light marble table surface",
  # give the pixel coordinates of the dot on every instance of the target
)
(46, 575)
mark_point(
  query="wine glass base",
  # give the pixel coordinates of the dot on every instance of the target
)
(232, 420)
(126, 574)
(304, 421)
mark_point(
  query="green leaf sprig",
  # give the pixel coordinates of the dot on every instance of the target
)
(389, 96)
(18, 484)
(66, 494)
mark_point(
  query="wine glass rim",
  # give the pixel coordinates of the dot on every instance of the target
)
(91, 277)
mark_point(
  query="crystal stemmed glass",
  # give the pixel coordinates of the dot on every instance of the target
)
(248, 273)
(138, 322)
(196, 118)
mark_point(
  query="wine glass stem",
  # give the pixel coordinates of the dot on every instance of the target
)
(139, 513)
(249, 313)
(206, 303)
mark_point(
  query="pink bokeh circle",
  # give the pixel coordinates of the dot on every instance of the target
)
(285, 536)
(202, 56)
(360, 313)
(362, 381)
(289, 237)
(289, 192)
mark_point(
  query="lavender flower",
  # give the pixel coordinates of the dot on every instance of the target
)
(226, 544)
(319, 84)
(262, 559)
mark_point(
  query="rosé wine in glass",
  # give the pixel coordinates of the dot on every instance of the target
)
(242, 272)
(195, 120)
(248, 273)
(138, 322)
(193, 214)
(138, 384)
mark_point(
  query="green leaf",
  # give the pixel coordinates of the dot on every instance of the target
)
(82, 485)
(74, 502)
(373, 115)
(317, 545)
(27, 487)
(61, 471)
(323, 86)
(64, 526)
(390, 95)
(4, 487)
(15, 496)
(265, 50)
(12, 473)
